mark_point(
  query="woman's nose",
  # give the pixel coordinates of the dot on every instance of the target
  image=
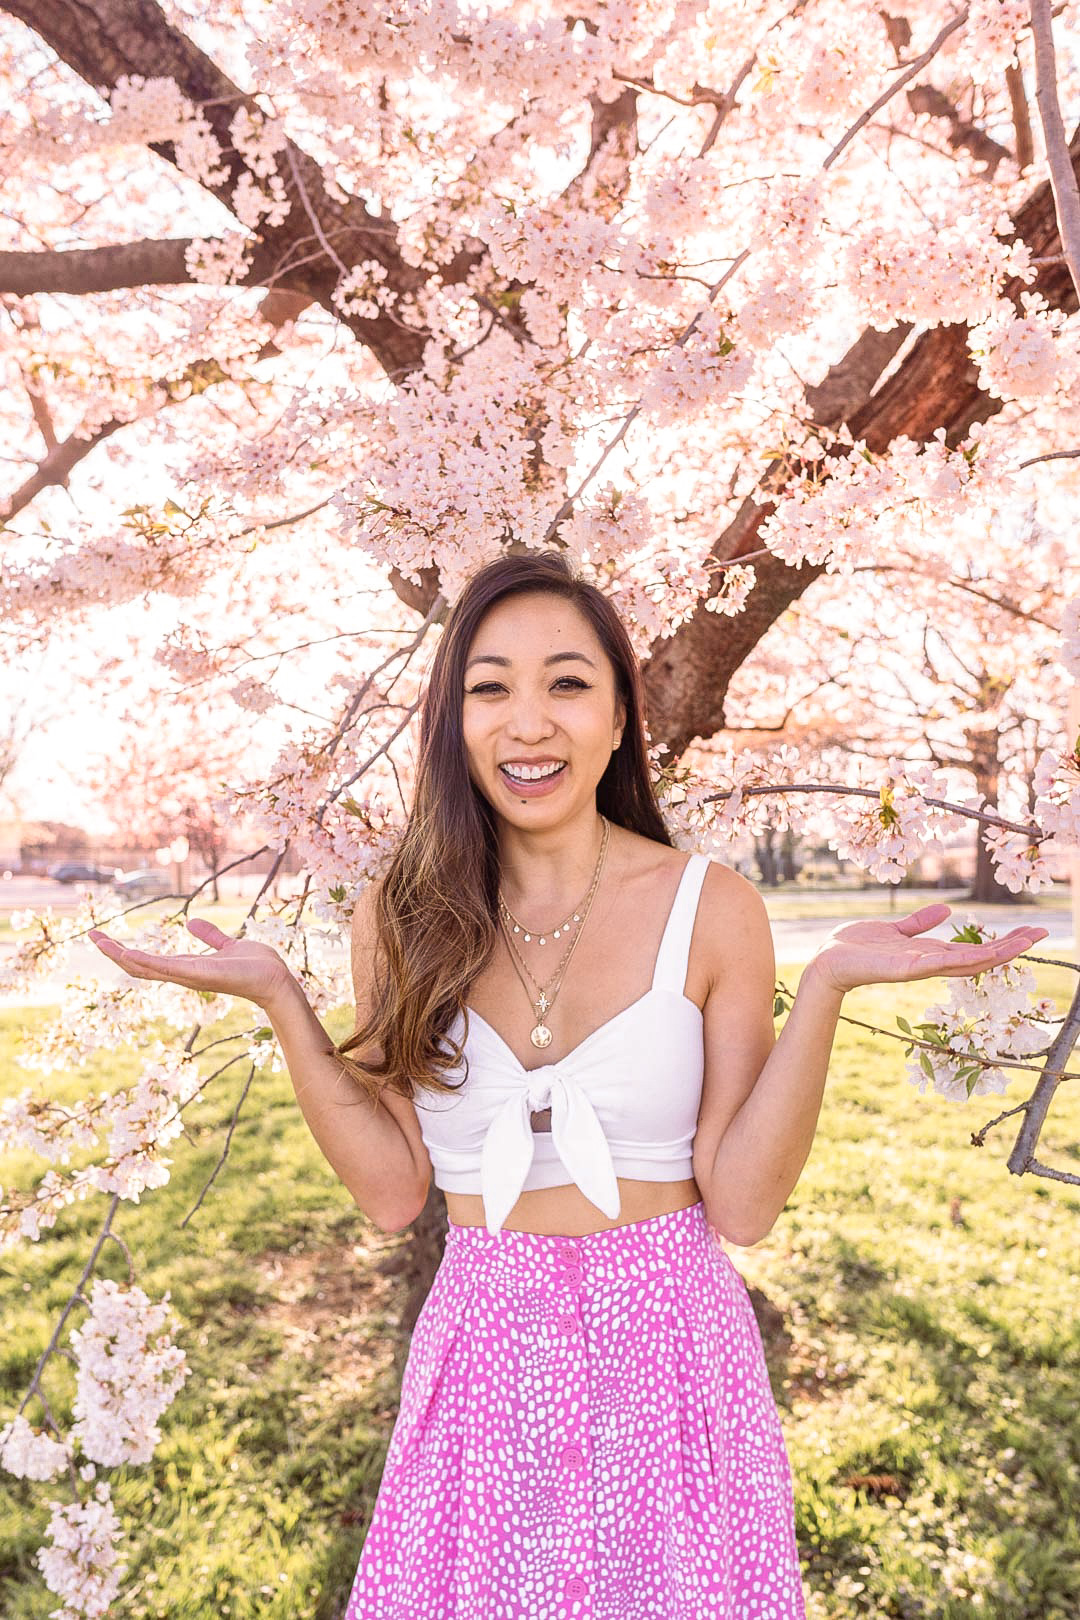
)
(530, 720)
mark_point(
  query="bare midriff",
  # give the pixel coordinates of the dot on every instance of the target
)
(566, 1212)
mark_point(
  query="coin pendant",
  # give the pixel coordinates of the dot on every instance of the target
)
(541, 1035)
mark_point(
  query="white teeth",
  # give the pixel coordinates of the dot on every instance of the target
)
(531, 773)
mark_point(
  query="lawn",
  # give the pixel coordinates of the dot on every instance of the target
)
(926, 1369)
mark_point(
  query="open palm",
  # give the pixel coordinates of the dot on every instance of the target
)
(232, 967)
(890, 952)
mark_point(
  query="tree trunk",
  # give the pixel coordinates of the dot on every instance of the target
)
(789, 868)
(986, 765)
(765, 855)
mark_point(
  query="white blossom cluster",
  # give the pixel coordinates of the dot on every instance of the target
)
(991, 1015)
(31, 1453)
(81, 1566)
(1028, 355)
(128, 1371)
(134, 1125)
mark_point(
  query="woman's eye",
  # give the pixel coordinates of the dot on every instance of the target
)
(570, 681)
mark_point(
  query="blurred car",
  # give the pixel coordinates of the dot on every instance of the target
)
(142, 884)
(80, 872)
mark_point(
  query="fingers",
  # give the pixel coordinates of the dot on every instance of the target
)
(964, 959)
(208, 932)
(142, 965)
(917, 922)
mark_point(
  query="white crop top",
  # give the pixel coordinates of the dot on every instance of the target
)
(624, 1101)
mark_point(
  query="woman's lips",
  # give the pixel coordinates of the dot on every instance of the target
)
(535, 789)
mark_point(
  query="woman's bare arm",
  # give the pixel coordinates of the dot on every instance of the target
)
(374, 1147)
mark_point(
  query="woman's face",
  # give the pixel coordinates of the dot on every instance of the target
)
(539, 693)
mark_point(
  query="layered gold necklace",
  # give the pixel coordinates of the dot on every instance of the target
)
(544, 1000)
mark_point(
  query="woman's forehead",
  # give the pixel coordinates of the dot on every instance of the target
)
(526, 628)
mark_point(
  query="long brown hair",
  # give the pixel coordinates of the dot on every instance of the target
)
(436, 908)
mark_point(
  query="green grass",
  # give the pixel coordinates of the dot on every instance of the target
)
(926, 1383)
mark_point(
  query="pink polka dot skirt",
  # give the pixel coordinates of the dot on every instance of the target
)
(586, 1432)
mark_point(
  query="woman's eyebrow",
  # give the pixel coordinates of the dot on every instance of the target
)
(552, 658)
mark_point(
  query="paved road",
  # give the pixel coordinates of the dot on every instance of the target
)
(795, 938)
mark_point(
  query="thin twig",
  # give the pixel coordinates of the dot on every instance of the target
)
(310, 212)
(225, 1150)
(978, 1137)
(1051, 455)
(77, 1296)
(1035, 833)
(898, 84)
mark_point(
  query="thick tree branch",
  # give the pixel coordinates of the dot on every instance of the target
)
(927, 98)
(614, 135)
(103, 40)
(145, 263)
(1021, 116)
(56, 467)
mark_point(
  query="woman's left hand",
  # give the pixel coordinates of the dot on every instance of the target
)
(890, 952)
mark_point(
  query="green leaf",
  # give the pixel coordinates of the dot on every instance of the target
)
(904, 1025)
(264, 1034)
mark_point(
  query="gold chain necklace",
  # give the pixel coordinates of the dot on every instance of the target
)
(540, 1035)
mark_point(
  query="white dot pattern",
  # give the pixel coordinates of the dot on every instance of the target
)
(586, 1432)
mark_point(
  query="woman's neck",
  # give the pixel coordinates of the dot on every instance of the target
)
(550, 869)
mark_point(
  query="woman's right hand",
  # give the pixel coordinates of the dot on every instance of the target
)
(232, 967)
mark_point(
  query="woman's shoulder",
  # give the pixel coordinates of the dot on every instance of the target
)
(652, 861)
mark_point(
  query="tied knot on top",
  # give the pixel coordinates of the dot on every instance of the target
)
(576, 1135)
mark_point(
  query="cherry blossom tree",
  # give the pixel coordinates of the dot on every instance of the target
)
(156, 785)
(959, 671)
(751, 307)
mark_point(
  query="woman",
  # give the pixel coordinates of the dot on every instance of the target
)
(567, 1023)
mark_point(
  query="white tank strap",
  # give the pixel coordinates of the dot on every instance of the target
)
(674, 954)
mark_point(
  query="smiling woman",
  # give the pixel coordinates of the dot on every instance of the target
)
(567, 1024)
(536, 902)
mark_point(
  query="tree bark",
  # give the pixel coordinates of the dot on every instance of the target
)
(765, 855)
(148, 263)
(986, 766)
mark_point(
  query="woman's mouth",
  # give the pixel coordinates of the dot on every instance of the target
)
(534, 780)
